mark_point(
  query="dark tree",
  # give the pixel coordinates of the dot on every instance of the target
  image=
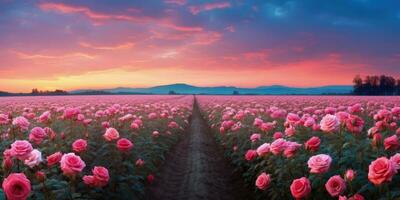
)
(376, 85)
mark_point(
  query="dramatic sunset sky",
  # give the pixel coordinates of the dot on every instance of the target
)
(104, 44)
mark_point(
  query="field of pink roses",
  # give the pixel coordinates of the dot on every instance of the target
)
(311, 147)
(86, 147)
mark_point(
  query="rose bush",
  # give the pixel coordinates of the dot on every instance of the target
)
(321, 147)
(86, 147)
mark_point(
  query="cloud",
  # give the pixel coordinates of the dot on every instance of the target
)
(126, 45)
(27, 56)
(209, 6)
(97, 17)
(177, 2)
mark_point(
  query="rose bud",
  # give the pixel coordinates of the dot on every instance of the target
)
(40, 176)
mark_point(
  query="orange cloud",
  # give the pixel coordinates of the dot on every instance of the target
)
(95, 16)
(126, 45)
(207, 7)
(27, 56)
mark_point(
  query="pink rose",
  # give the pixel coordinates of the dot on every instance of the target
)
(45, 117)
(319, 164)
(391, 143)
(313, 144)
(290, 131)
(255, 137)
(263, 149)
(21, 149)
(278, 146)
(376, 139)
(250, 155)
(381, 170)
(349, 175)
(4, 119)
(396, 160)
(300, 188)
(329, 123)
(37, 135)
(263, 181)
(34, 158)
(335, 186)
(53, 159)
(71, 164)
(17, 186)
(291, 149)
(124, 145)
(278, 135)
(40, 176)
(101, 176)
(139, 162)
(354, 124)
(79, 145)
(111, 134)
(21, 122)
(357, 197)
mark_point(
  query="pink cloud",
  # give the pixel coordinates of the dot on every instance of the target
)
(207, 7)
(27, 56)
(126, 45)
(177, 2)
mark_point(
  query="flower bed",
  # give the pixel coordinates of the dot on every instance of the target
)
(311, 147)
(87, 147)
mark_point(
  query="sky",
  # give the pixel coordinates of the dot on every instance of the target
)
(134, 43)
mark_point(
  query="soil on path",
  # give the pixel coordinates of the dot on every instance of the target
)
(196, 169)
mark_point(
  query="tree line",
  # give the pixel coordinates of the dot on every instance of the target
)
(376, 85)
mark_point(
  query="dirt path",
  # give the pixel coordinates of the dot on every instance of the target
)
(196, 169)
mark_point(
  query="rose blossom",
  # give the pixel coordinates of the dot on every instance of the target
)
(250, 155)
(71, 164)
(150, 178)
(255, 136)
(381, 170)
(263, 181)
(396, 159)
(329, 123)
(357, 197)
(313, 144)
(21, 122)
(349, 175)
(278, 146)
(44, 117)
(21, 149)
(37, 135)
(17, 186)
(335, 186)
(53, 159)
(4, 119)
(34, 158)
(319, 164)
(263, 149)
(79, 145)
(100, 177)
(139, 162)
(354, 124)
(111, 134)
(124, 145)
(391, 143)
(291, 149)
(40, 176)
(300, 188)
(278, 135)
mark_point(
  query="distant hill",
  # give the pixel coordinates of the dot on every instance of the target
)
(181, 88)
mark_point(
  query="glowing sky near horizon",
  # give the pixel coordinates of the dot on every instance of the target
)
(104, 44)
